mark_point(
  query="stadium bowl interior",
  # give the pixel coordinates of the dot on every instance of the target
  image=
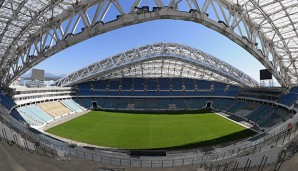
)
(161, 106)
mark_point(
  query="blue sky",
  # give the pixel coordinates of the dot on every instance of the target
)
(188, 33)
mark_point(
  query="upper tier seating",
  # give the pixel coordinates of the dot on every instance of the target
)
(289, 98)
(232, 90)
(156, 87)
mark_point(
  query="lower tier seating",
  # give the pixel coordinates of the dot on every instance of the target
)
(262, 114)
(54, 108)
(70, 104)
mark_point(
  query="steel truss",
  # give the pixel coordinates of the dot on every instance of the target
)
(160, 60)
(33, 30)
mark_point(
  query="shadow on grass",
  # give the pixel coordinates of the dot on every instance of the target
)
(224, 139)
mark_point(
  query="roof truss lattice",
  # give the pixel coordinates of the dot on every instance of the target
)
(33, 30)
(161, 60)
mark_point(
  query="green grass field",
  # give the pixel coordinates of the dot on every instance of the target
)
(150, 131)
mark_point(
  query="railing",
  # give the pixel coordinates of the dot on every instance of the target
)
(11, 136)
(49, 146)
(260, 165)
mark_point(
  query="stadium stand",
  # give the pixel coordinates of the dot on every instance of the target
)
(30, 117)
(54, 108)
(155, 87)
(163, 94)
(236, 107)
(242, 113)
(6, 101)
(70, 104)
(15, 114)
(32, 31)
(85, 102)
(177, 93)
(32, 114)
(257, 114)
(166, 94)
(223, 104)
(40, 113)
(232, 90)
(272, 93)
(290, 97)
(164, 104)
(260, 114)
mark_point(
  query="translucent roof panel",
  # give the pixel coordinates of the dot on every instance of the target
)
(21, 18)
(278, 20)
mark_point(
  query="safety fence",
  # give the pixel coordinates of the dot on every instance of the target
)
(24, 137)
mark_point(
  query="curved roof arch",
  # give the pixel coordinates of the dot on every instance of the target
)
(161, 60)
(33, 30)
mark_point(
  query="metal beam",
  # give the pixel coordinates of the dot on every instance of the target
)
(247, 23)
(156, 60)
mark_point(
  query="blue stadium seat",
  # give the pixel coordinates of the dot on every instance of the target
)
(189, 84)
(6, 101)
(176, 83)
(164, 83)
(139, 84)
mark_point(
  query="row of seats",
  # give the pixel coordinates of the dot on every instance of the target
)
(144, 103)
(70, 104)
(288, 99)
(259, 113)
(154, 93)
(39, 114)
(54, 108)
(229, 105)
(155, 87)
(85, 102)
(168, 87)
(263, 115)
(6, 101)
(33, 115)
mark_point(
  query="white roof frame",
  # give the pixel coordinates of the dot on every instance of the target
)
(33, 30)
(160, 60)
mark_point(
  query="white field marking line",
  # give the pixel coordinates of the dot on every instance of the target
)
(234, 121)
(62, 120)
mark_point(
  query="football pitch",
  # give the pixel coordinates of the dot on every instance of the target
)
(150, 131)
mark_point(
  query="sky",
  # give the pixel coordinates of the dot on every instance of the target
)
(120, 40)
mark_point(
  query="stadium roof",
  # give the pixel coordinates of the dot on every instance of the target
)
(161, 60)
(33, 30)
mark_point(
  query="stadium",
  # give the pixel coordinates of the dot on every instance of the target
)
(158, 106)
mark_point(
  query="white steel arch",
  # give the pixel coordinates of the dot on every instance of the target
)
(33, 30)
(161, 60)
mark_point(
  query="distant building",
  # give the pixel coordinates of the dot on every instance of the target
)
(37, 78)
